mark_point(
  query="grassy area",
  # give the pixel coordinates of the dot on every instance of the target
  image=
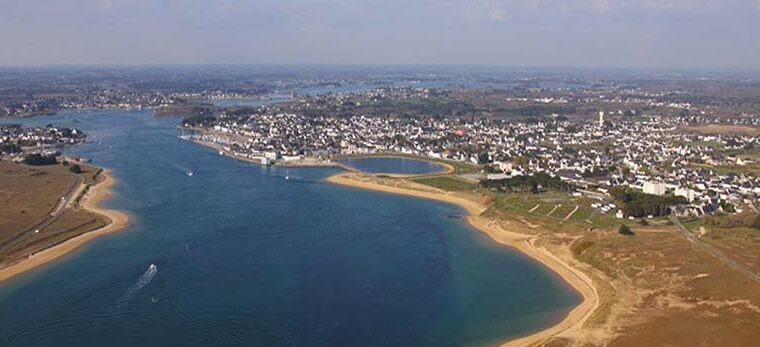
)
(715, 228)
(562, 204)
(563, 211)
(28, 194)
(73, 222)
(669, 275)
(447, 183)
(692, 224)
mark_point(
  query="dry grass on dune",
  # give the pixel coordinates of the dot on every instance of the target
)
(28, 195)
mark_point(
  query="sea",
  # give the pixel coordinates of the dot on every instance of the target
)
(237, 255)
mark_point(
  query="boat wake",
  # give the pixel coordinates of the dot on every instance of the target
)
(185, 170)
(144, 280)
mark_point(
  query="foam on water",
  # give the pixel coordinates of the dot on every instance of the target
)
(259, 260)
(144, 280)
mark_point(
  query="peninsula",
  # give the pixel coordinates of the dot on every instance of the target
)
(48, 211)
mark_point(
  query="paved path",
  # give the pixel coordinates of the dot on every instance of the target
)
(713, 251)
(56, 213)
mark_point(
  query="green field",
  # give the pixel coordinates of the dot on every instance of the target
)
(563, 211)
(540, 205)
(446, 183)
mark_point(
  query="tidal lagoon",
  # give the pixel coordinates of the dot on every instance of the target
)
(243, 256)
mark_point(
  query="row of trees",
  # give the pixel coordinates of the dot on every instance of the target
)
(638, 204)
(37, 159)
(534, 183)
(9, 148)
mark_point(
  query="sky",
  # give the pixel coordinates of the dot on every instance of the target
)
(679, 34)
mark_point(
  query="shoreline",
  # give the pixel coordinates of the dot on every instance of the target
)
(308, 162)
(91, 200)
(523, 243)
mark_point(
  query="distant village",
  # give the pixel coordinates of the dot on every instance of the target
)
(651, 154)
(637, 139)
(17, 142)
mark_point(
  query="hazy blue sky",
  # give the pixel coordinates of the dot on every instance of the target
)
(629, 33)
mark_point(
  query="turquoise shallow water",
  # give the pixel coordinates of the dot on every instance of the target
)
(245, 257)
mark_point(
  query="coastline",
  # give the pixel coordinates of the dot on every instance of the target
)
(578, 280)
(302, 163)
(314, 162)
(91, 201)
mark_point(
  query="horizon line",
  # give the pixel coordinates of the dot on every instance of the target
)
(390, 65)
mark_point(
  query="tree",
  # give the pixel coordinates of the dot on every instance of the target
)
(39, 159)
(625, 230)
(727, 206)
(484, 158)
(626, 171)
(533, 183)
(9, 148)
(638, 204)
(75, 169)
(491, 169)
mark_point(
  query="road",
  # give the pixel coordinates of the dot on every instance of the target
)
(713, 251)
(56, 213)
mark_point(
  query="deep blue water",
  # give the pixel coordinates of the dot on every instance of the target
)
(392, 165)
(246, 257)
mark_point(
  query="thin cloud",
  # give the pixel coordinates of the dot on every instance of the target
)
(498, 15)
(602, 6)
(680, 33)
(105, 5)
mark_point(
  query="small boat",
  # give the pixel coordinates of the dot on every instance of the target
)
(287, 177)
(221, 153)
(191, 173)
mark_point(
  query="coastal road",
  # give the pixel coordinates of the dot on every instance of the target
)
(56, 213)
(713, 251)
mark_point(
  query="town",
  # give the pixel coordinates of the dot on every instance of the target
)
(16, 141)
(655, 154)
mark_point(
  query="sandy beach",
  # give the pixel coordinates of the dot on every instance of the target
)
(522, 242)
(91, 201)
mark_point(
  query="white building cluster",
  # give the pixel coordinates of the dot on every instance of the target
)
(652, 155)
